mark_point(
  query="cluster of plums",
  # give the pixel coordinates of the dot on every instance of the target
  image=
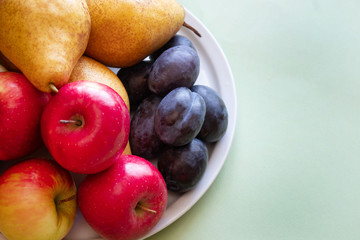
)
(173, 119)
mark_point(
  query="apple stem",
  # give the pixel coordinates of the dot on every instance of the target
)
(192, 29)
(67, 199)
(146, 209)
(76, 122)
(53, 88)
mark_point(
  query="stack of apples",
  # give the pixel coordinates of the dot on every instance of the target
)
(64, 112)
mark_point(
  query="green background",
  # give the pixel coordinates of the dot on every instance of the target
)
(293, 169)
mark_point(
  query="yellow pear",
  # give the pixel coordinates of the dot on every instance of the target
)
(91, 70)
(127, 150)
(44, 39)
(124, 32)
(7, 64)
(2, 68)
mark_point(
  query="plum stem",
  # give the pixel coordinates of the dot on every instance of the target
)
(146, 209)
(76, 122)
(192, 29)
(67, 199)
(53, 88)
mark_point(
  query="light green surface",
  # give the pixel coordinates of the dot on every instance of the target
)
(293, 171)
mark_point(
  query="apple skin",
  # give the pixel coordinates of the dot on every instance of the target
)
(104, 130)
(109, 200)
(21, 106)
(37, 201)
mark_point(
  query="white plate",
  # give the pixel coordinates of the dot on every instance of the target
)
(215, 72)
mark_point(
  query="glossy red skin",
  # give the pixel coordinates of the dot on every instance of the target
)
(21, 106)
(38, 171)
(89, 148)
(108, 199)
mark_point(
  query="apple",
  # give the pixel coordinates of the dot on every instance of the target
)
(126, 200)
(84, 125)
(37, 200)
(21, 106)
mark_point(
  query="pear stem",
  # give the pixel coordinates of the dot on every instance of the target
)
(76, 122)
(53, 88)
(67, 199)
(192, 29)
(146, 209)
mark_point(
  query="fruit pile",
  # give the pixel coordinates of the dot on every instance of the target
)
(131, 136)
(173, 119)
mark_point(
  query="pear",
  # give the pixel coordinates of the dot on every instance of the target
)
(7, 64)
(44, 39)
(2, 68)
(91, 70)
(124, 32)
(127, 150)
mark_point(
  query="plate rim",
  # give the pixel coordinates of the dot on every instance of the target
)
(200, 192)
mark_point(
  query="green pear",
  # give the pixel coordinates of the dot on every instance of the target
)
(44, 39)
(124, 32)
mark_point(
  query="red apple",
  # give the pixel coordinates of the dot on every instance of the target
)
(84, 125)
(21, 106)
(126, 200)
(37, 200)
